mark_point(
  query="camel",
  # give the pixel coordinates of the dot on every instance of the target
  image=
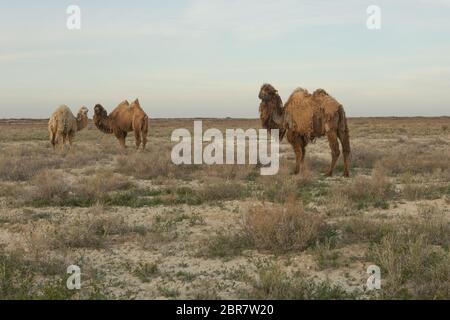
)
(63, 125)
(304, 118)
(123, 119)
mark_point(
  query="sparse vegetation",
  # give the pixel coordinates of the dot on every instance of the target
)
(141, 227)
(283, 228)
(414, 268)
(273, 283)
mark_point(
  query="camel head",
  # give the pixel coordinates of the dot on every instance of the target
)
(267, 92)
(83, 111)
(82, 118)
(99, 111)
(271, 109)
(101, 120)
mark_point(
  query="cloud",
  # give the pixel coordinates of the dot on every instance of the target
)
(43, 54)
(262, 18)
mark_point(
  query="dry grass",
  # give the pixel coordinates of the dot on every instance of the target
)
(145, 228)
(58, 188)
(414, 268)
(363, 192)
(283, 228)
(156, 163)
(273, 283)
(417, 159)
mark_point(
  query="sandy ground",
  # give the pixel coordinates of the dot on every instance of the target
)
(165, 251)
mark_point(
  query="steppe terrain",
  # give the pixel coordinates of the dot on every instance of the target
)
(141, 227)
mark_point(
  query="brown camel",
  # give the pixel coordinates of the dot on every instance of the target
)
(306, 117)
(63, 125)
(123, 119)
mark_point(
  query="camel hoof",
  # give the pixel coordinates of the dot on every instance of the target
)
(328, 175)
(346, 175)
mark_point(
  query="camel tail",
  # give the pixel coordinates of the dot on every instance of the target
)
(343, 130)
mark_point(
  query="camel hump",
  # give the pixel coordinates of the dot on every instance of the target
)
(124, 103)
(330, 106)
(136, 103)
(62, 109)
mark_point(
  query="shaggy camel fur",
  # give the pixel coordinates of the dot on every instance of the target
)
(63, 125)
(306, 117)
(123, 119)
(271, 109)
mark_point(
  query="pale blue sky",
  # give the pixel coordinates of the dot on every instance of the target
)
(209, 57)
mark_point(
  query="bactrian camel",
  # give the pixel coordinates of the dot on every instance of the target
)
(304, 118)
(123, 119)
(63, 125)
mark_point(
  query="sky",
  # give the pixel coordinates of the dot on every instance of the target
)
(208, 58)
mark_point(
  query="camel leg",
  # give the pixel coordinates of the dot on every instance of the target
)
(345, 142)
(144, 137)
(71, 137)
(53, 139)
(137, 135)
(121, 136)
(144, 132)
(299, 157)
(122, 142)
(334, 146)
(62, 142)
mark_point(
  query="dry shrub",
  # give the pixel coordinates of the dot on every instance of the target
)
(278, 188)
(103, 182)
(21, 163)
(10, 189)
(17, 167)
(274, 283)
(414, 191)
(152, 165)
(87, 231)
(362, 191)
(50, 185)
(76, 233)
(81, 156)
(222, 191)
(228, 172)
(338, 204)
(430, 223)
(421, 189)
(365, 157)
(283, 228)
(225, 244)
(53, 187)
(360, 229)
(416, 160)
(143, 165)
(433, 224)
(414, 268)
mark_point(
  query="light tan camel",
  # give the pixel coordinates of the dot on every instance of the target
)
(63, 125)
